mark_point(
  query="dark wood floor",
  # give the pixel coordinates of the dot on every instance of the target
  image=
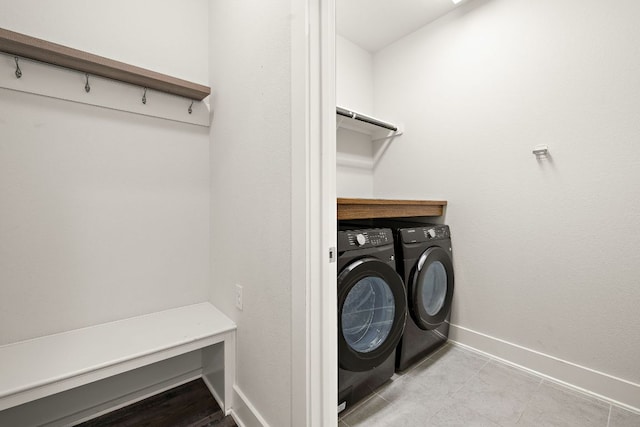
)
(189, 405)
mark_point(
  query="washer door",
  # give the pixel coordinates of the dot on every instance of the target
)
(431, 291)
(372, 311)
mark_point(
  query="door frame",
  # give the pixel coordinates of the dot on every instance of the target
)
(314, 365)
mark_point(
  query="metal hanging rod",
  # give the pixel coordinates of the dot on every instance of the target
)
(364, 118)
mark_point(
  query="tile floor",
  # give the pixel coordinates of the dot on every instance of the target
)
(458, 387)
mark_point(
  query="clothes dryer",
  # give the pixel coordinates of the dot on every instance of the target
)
(371, 312)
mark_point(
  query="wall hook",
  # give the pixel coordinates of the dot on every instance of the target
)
(540, 151)
(18, 70)
(87, 87)
(144, 96)
(191, 108)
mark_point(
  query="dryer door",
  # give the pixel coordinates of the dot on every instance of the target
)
(371, 313)
(431, 291)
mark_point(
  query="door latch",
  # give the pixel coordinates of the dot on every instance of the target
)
(332, 254)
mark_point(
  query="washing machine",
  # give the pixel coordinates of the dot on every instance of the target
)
(424, 261)
(372, 311)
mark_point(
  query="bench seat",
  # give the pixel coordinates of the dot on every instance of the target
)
(51, 364)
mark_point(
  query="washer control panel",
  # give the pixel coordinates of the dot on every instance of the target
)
(425, 234)
(356, 239)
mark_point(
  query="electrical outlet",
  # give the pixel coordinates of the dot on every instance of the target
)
(239, 297)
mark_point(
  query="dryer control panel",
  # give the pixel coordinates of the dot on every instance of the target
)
(357, 239)
(425, 234)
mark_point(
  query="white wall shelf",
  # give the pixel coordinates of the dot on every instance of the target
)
(379, 131)
(25, 46)
(44, 366)
(30, 60)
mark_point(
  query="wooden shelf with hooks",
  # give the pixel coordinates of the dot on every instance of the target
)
(384, 208)
(29, 47)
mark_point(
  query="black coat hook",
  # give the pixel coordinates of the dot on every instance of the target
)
(191, 108)
(144, 96)
(18, 70)
(87, 88)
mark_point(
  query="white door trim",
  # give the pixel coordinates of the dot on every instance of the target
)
(314, 368)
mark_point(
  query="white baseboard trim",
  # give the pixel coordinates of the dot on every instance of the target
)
(603, 386)
(237, 419)
(243, 411)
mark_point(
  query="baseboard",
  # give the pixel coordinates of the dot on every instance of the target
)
(243, 411)
(599, 384)
(237, 419)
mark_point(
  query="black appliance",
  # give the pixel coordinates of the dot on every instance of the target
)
(371, 312)
(424, 260)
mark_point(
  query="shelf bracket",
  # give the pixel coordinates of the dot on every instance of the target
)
(390, 135)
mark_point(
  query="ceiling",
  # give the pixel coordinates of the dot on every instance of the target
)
(374, 24)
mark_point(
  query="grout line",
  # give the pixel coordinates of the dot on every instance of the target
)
(609, 416)
(580, 393)
(471, 377)
(604, 399)
(355, 407)
(429, 357)
(529, 400)
(380, 396)
(404, 376)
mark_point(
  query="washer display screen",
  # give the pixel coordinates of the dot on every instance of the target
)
(367, 314)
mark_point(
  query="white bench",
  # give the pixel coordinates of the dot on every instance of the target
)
(41, 367)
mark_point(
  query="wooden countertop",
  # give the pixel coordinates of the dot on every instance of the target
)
(385, 208)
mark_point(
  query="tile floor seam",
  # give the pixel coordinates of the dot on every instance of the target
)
(471, 377)
(434, 414)
(543, 393)
(381, 396)
(429, 357)
(355, 407)
(576, 392)
(529, 400)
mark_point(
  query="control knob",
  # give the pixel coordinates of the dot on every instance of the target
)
(431, 233)
(360, 239)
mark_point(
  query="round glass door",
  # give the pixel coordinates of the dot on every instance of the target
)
(368, 314)
(434, 288)
(372, 311)
(431, 292)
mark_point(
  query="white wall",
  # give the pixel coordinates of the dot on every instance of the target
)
(354, 76)
(166, 36)
(103, 214)
(251, 183)
(354, 90)
(546, 252)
